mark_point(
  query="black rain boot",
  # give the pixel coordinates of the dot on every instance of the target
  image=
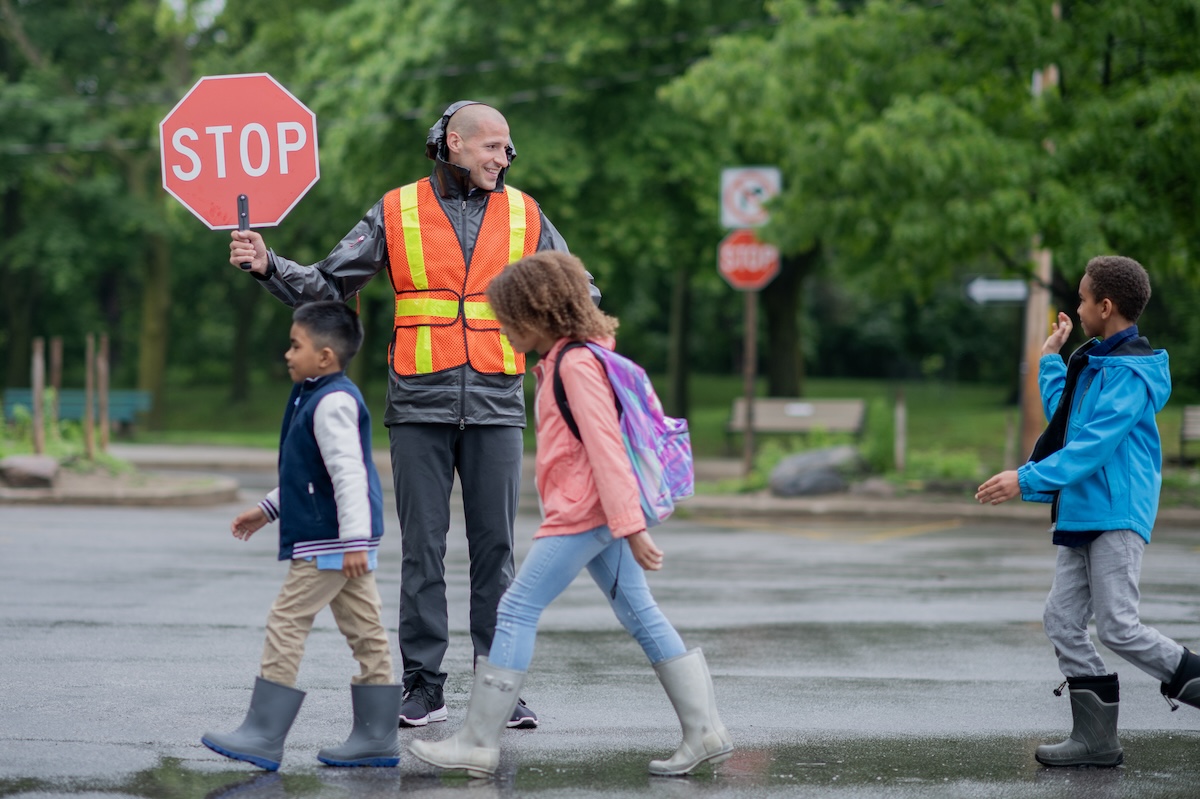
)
(373, 740)
(273, 708)
(1093, 740)
(1185, 685)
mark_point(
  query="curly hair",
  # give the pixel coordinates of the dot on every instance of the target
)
(1122, 280)
(549, 292)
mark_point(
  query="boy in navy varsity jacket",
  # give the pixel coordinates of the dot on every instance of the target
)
(330, 512)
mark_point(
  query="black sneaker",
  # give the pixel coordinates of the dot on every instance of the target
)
(523, 718)
(423, 703)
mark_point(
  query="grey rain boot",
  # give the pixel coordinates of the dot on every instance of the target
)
(373, 740)
(1093, 740)
(476, 747)
(273, 708)
(689, 687)
(1185, 685)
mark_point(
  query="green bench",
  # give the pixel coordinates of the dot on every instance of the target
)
(123, 404)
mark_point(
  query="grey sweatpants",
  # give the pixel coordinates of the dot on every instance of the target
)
(1101, 579)
(424, 460)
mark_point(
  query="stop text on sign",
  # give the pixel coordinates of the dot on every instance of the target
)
(752, 258)
(253, 147)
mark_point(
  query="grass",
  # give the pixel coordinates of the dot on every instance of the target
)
(942, 417)
(956, 431)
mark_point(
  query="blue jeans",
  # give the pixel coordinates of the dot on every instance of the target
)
(551, 566)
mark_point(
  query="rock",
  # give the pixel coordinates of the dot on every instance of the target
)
(29, 471)
(821, 471)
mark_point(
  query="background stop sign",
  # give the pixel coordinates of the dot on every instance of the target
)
(239, 134)
(745, 262)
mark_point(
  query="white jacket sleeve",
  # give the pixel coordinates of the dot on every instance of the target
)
(335, 425)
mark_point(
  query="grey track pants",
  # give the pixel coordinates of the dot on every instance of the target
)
(1101, 579)
(424, 460)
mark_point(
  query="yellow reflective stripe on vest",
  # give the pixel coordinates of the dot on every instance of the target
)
(478, 310)
(424, 360)
(516, 224)
(510, 357)
(411, 222)
(483, 311)
(442, 308)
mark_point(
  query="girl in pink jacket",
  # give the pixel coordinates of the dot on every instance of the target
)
(592, 518)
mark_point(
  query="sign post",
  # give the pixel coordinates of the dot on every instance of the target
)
(237, 136)
(1037, 314)
(748, 264)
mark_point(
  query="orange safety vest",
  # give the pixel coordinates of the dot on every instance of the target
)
(443, 319)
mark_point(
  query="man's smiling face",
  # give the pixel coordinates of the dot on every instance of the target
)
(482, 150)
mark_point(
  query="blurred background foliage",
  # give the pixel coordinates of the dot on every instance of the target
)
(914, 150)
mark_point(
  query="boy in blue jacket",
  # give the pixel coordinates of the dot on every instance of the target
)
(330, 512)
(1099, 463)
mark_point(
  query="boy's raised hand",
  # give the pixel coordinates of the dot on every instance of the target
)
(354, 564)
(648, 556)
(1000, 488)
(248, 522)
(1060, 331)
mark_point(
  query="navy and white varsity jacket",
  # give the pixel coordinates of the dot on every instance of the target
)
(329, 499)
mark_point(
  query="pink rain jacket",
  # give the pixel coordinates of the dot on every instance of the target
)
(585, 484)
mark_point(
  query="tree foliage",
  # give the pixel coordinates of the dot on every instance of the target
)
(913, 150)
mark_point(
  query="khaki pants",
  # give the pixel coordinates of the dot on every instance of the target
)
(356, 609)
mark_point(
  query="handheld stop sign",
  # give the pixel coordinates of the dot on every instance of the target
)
(237, 138)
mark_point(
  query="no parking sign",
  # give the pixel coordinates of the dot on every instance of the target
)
(744, 193)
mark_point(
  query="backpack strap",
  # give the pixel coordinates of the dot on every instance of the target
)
(560, 393)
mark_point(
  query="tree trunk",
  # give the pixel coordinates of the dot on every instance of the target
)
(20, 297)
(156, 310)
(243, 294)
(782, 302)
(678, 361)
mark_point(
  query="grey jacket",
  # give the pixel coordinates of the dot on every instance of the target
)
(458, 396)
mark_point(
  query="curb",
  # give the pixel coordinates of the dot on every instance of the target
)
(149, 490)
(182, 475)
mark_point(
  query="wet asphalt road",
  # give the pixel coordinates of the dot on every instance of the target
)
(851, 659)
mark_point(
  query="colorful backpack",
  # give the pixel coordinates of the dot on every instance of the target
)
(659, 446)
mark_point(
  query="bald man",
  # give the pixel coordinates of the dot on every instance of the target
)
(455, 399)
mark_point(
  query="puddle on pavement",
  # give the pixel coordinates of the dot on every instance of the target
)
(1157, 765)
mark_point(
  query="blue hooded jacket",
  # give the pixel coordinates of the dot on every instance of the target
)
(1109, 470)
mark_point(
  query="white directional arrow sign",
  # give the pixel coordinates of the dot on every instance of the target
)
(983, 290)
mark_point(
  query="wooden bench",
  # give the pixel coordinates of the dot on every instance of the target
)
(795, 416)
(123, 404)
(1189, 430)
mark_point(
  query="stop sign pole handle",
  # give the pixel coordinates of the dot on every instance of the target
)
(244, 219)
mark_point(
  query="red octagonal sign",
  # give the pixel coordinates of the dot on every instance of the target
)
(239, 134)
(745, 262)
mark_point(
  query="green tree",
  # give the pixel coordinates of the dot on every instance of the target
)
(911, 146)
(625, 177)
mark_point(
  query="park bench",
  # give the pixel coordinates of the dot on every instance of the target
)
(123, 404)
(795, 416)
(1189, 430)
